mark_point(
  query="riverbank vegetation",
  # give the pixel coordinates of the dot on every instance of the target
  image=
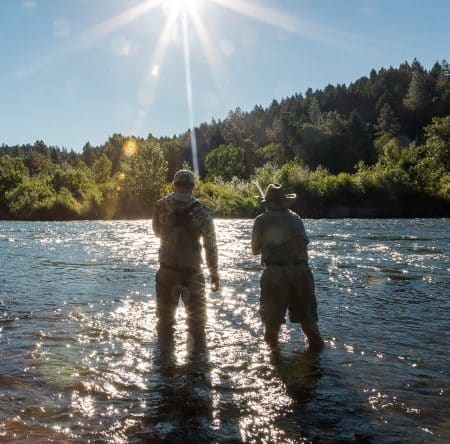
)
(378, 147)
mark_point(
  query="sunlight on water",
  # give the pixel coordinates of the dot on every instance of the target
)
(80, 359)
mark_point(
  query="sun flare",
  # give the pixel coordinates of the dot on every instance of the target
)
(179, 6)
(185, 19)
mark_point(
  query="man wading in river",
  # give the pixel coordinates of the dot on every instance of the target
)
(180, 220)
(287, 282)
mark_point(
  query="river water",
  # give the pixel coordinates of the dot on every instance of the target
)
(78, 347)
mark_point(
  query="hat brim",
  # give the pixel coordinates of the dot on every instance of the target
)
(288, 202)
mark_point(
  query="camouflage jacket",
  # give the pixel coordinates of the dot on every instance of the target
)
(180, 221)
(280, 238)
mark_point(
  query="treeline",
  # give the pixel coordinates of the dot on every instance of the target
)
(377, 147)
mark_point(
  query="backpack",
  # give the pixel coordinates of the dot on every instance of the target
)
(182, 248)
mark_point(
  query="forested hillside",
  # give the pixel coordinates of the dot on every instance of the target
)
(379, 146)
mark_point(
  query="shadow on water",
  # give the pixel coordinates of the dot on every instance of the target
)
(186, 403)
(179, 397)
(299, 372)
(323, 409)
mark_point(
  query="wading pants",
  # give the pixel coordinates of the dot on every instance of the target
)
(189, 285)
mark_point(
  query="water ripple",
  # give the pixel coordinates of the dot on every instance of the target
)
(79, 354)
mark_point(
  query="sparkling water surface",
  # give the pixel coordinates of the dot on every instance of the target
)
(78, 346)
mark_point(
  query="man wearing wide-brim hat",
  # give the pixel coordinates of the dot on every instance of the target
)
(287, 282)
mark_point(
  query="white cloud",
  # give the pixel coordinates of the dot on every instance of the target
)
(61, 28)
(29, 4)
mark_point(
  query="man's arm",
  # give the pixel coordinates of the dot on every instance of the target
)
(156, 221)
(210, 246)
(256, 237)
(302, 231)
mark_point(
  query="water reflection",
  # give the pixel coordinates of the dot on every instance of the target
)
(315, 390)
(180, 406)
(300, 373)
(80, 359)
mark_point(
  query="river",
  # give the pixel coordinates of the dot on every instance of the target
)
(78, 347)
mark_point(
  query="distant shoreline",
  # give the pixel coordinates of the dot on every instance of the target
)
(423, 209)
(386, 217)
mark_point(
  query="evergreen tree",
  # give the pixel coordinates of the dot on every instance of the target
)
(314, 112)
(387, 122)
(417, 97)
(89, 154)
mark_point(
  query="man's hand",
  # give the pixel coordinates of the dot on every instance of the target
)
(215, 282)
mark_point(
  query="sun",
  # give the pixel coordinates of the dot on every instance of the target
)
(179, 6)
(184, 18)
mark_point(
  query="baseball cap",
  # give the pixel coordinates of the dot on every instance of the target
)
(185, 177)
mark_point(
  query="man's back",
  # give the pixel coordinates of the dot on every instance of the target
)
(180, 222)
(280, 237)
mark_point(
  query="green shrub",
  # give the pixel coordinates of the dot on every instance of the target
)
(26, 200)
(233, 198)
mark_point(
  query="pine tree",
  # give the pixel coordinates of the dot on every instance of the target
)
(387, 122)
(314, 111)
(417, 97)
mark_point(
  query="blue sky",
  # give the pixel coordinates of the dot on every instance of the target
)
(74, 71)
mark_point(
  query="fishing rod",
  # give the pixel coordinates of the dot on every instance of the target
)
(260, 191)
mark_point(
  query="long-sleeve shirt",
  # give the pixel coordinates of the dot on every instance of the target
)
(280, 238)
(180, 221)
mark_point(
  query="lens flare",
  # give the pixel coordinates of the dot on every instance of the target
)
(189, 97)
(130, 148)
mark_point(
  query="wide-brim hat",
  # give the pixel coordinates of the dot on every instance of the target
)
(276, 198)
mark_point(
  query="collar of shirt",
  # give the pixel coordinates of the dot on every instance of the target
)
(182, 197)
